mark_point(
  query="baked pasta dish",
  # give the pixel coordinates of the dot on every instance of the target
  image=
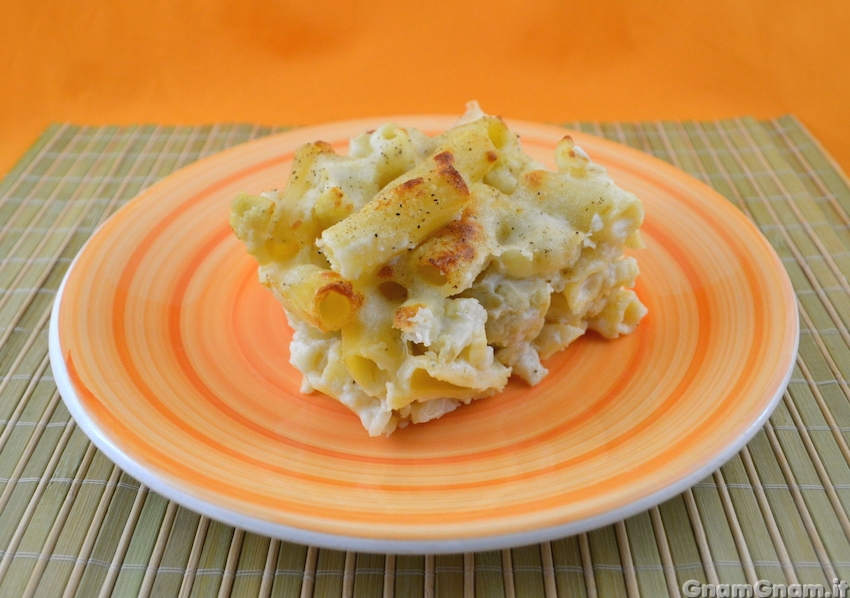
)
(419, 273)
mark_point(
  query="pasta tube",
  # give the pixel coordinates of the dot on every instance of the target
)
(318, 296)
(399, 218)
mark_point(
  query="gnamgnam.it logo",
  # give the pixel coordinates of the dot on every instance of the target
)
(764, 589)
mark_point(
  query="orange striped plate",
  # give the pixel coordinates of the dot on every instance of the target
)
(174, 360)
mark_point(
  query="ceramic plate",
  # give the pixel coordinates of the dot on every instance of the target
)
(174, 360)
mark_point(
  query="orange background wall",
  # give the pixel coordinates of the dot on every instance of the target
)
(302, 61)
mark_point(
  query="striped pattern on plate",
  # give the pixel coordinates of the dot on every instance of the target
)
(175, 361)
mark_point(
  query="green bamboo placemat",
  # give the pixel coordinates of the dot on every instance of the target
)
(73, 524)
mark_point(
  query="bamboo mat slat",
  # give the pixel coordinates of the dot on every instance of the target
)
(74, 525)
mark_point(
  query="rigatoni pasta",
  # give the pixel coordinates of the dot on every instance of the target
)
(319, 296)
(399, 217)
(420, 273)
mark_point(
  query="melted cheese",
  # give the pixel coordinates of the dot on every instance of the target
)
(420, 273)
